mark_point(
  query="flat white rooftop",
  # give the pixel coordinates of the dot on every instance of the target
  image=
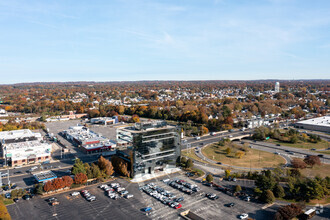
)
(24, 133)
(323, 121)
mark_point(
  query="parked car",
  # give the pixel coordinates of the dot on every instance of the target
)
(16, 199)
(75, 193)
(52, 199)
(26, 197)
(320, 155)
(230, 204)
(147, 209)
(278, 145)
(243, 216)
(197, 138)
(313, 149)
(7, 195)
(129, 196)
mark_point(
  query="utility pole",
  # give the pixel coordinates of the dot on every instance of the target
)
(8, 177)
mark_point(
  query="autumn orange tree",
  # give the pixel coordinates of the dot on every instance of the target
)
(67, 180)
(49, 186)
(58, 183)
(120, 165)
(105, 166)
(80, 178)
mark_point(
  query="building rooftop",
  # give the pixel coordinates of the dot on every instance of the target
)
(147, 126)
(16, 134)
(44, 176)
(320, 121)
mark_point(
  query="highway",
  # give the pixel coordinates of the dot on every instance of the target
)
(286, 152)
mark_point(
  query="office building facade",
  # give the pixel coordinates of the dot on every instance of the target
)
(152, 147)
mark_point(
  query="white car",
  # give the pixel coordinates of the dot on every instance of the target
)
(103, 186)
(129, 196)
(75, 193)
(243, 216)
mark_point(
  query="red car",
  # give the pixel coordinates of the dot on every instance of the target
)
(178, 206)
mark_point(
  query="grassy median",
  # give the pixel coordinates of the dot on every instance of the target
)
(300, 144)
(249, 157)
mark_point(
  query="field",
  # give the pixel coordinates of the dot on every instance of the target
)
(252, 158)
(322, 170)
(191, 154)
(300, 144)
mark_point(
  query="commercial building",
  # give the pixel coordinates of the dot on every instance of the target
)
(315, 124)
(21, 147)
(90, 141)
(44, 176)
(105, 120)
(150, 147)
(258, 122)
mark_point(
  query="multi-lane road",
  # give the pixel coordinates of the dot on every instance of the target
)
(287, 152)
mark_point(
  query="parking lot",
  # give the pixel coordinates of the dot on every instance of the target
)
(77, 207)
(201, 205)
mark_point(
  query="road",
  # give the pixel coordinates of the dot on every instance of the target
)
(260, 145)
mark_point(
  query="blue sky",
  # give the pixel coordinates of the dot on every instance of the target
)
(117, 40)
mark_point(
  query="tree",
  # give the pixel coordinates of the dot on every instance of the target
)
(294, 139)
(189, 164)
(40, 188)
(312, 160)
(105, 166)
(67, 180)
(88, 170)
(268, 196)
(288, 212)
(278, 191)
(183, 161)
(14, 193)
(95, 171)
(120, 165)
(135, 118)
(80, 178)
(58, 183)
(228, 150)
(265, 182)
(4, 214)
(227, 173)
(239, 154)
(49, 186)
(209, 178)
(298, 163)
(78, 167)
(204, 130)
(238, 188)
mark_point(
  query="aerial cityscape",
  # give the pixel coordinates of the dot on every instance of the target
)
(195, 110)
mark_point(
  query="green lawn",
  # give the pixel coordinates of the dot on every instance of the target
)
(306, 145)
(191, 154)
(252, 158)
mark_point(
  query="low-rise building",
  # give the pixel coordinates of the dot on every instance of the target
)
(44, 176)
(315, 124)
(21, 147)
(105, 120)
(91, 142)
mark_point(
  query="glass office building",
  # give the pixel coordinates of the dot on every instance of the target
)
(153, 146)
